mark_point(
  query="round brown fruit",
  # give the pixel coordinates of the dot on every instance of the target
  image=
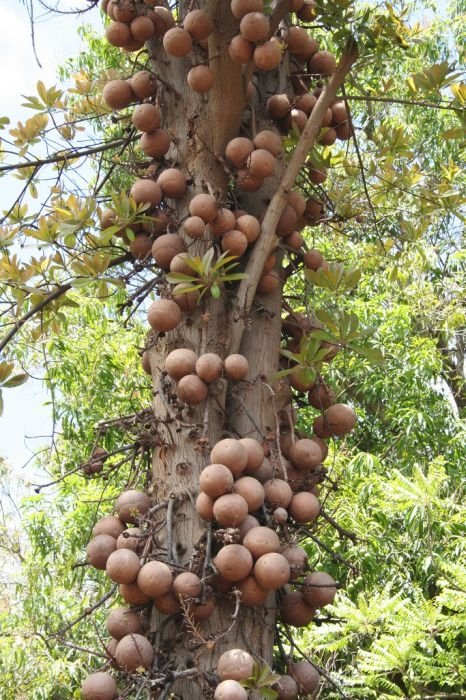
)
(321, 396)
(132, 505)
(132, 594)
(294, 611)
(200, 79)
(209, 367)
(224, 221)
(272, 571)
(317, 175)
(164, 315)
(192, 390)
(205, 506)
(194, 227)
(261, 540)
(180, 362)
(322, 63)
(239, 8)
(167, 604)
(204, 206)
(255, 453)
(304, 507)
(268, 55)
(308, 12)
(216, 480)
(165, 247)
(123, 566)
(261, 163)
(134, 651)
(238, 150)
(286, 687)
(162, 19)
(124, 10)
(199, 24)
(305, 454)
(145, 191)
(287, 221)
(294, 241)
(319, 589)
(306, 103)
(141, 247)
(278, 493)
(172, 182)
(230, 510)
(278, 106)
(177, 42)
(297, 38)
(235, 664)
(248, 523)
(235, 243)
(142, 28)
(122, 621)
(231, 453)
(155, 579)
(313, 259)
(297, 201)
(236, 367)
(305, 675)
(155, 144)
(110, 525)
(338, 420)
(251, 593)
(202, 611)
(247, 182)
(100, 686)
(117, 94)
(251, 490)
(297, 559)
(187, 585)
(254, 26)
(230, 690)
(234, 562)
(99, 549)
(241, 50)
(264, 472)
(143, 84)
(180, 264)
(118, 34)
(269, 264)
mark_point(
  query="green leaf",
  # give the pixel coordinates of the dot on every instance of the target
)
(17, 380)
(215, 291)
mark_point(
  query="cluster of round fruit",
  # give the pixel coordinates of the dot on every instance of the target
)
(237, 665)
(255, 160)
(193, 374)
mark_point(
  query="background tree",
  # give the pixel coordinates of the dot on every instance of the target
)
(410, 203)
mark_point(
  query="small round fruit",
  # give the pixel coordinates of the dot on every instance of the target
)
(230, 690)
(110, 525)
(231, 453)
(118, 34)
(241, 50)
(117, 94)
(272, 570)
(155, 579)
(141, 247)
(180, 362)
(132, 594)
(187, 585)
(177, 42)
(239, 8)
(268, 55)
(278, 493)
(236, 367)
(134, 651)
(251, 490)
(167, 604)
(132, 505)
(249, 226)
(204, 206)
(255, 453)
(305, 675)
(294, 611)
(123, 566)
(230, 510)
(251, 593)
(122, 621)
(313, 259)
(205, 506)
(145, 191)
(338, 420)
(235, 243)
(238, 150)
(286, 687)
(234, 562)
(99, 549)
(194, 227)
(172, 182)
(235, 664)
(192, 390)
(100, 686)
(322, 63)
(269, 140)
(261, 540)
(224, 221)
(261, 163)
(165, 247)
(164, 315)
(143, 84)
(269, 282)
(248, 523)
(216, 480)
(155, 144)
(319, 589)
(200, 78)
(209, 367)
(297, 559)
(254, 26)
(278, 106)
(304, 507)
(305, 454)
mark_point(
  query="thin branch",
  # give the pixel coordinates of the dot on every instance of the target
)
(87, 612)
(56, 294)
(401, 101)
(63, 156)
(268, 238)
